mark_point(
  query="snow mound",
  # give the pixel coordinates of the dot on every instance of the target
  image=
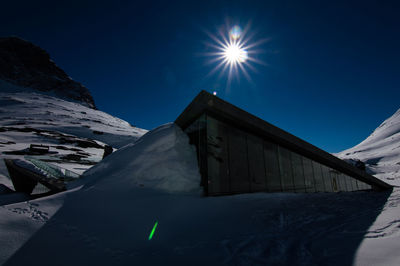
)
(380, 151)
(161, 159)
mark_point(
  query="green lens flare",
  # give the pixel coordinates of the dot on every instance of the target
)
(152, 231)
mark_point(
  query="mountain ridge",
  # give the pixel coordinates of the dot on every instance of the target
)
(41, 105)
(25, 64)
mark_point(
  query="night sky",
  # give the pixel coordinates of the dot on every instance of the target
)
(330, 72)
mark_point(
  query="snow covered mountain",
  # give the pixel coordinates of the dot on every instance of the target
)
(380, 151)
(27, 65)
(40, 104)
(76, 134)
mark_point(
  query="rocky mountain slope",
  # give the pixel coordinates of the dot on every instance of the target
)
(41, 105)
(27, 65)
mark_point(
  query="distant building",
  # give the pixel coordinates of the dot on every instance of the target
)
(240, 153)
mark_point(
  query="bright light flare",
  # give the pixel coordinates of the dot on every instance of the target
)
(235, 32)
(153, 230)
(234, 52)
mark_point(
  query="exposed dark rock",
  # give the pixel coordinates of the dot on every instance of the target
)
(360, 165)
(27, 151)
(25, 64)
(73, 157)
(98, 132)
(107, 151)
(66, 149)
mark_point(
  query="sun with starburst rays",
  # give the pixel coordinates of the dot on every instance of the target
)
(234, 52)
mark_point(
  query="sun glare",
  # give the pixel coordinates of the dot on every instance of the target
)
(234, 52)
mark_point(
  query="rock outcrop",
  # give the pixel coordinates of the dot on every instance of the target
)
(27, 65)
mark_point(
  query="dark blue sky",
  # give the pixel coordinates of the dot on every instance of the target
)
(332, 73)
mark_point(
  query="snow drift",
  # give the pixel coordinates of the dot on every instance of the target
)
(161, 159)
